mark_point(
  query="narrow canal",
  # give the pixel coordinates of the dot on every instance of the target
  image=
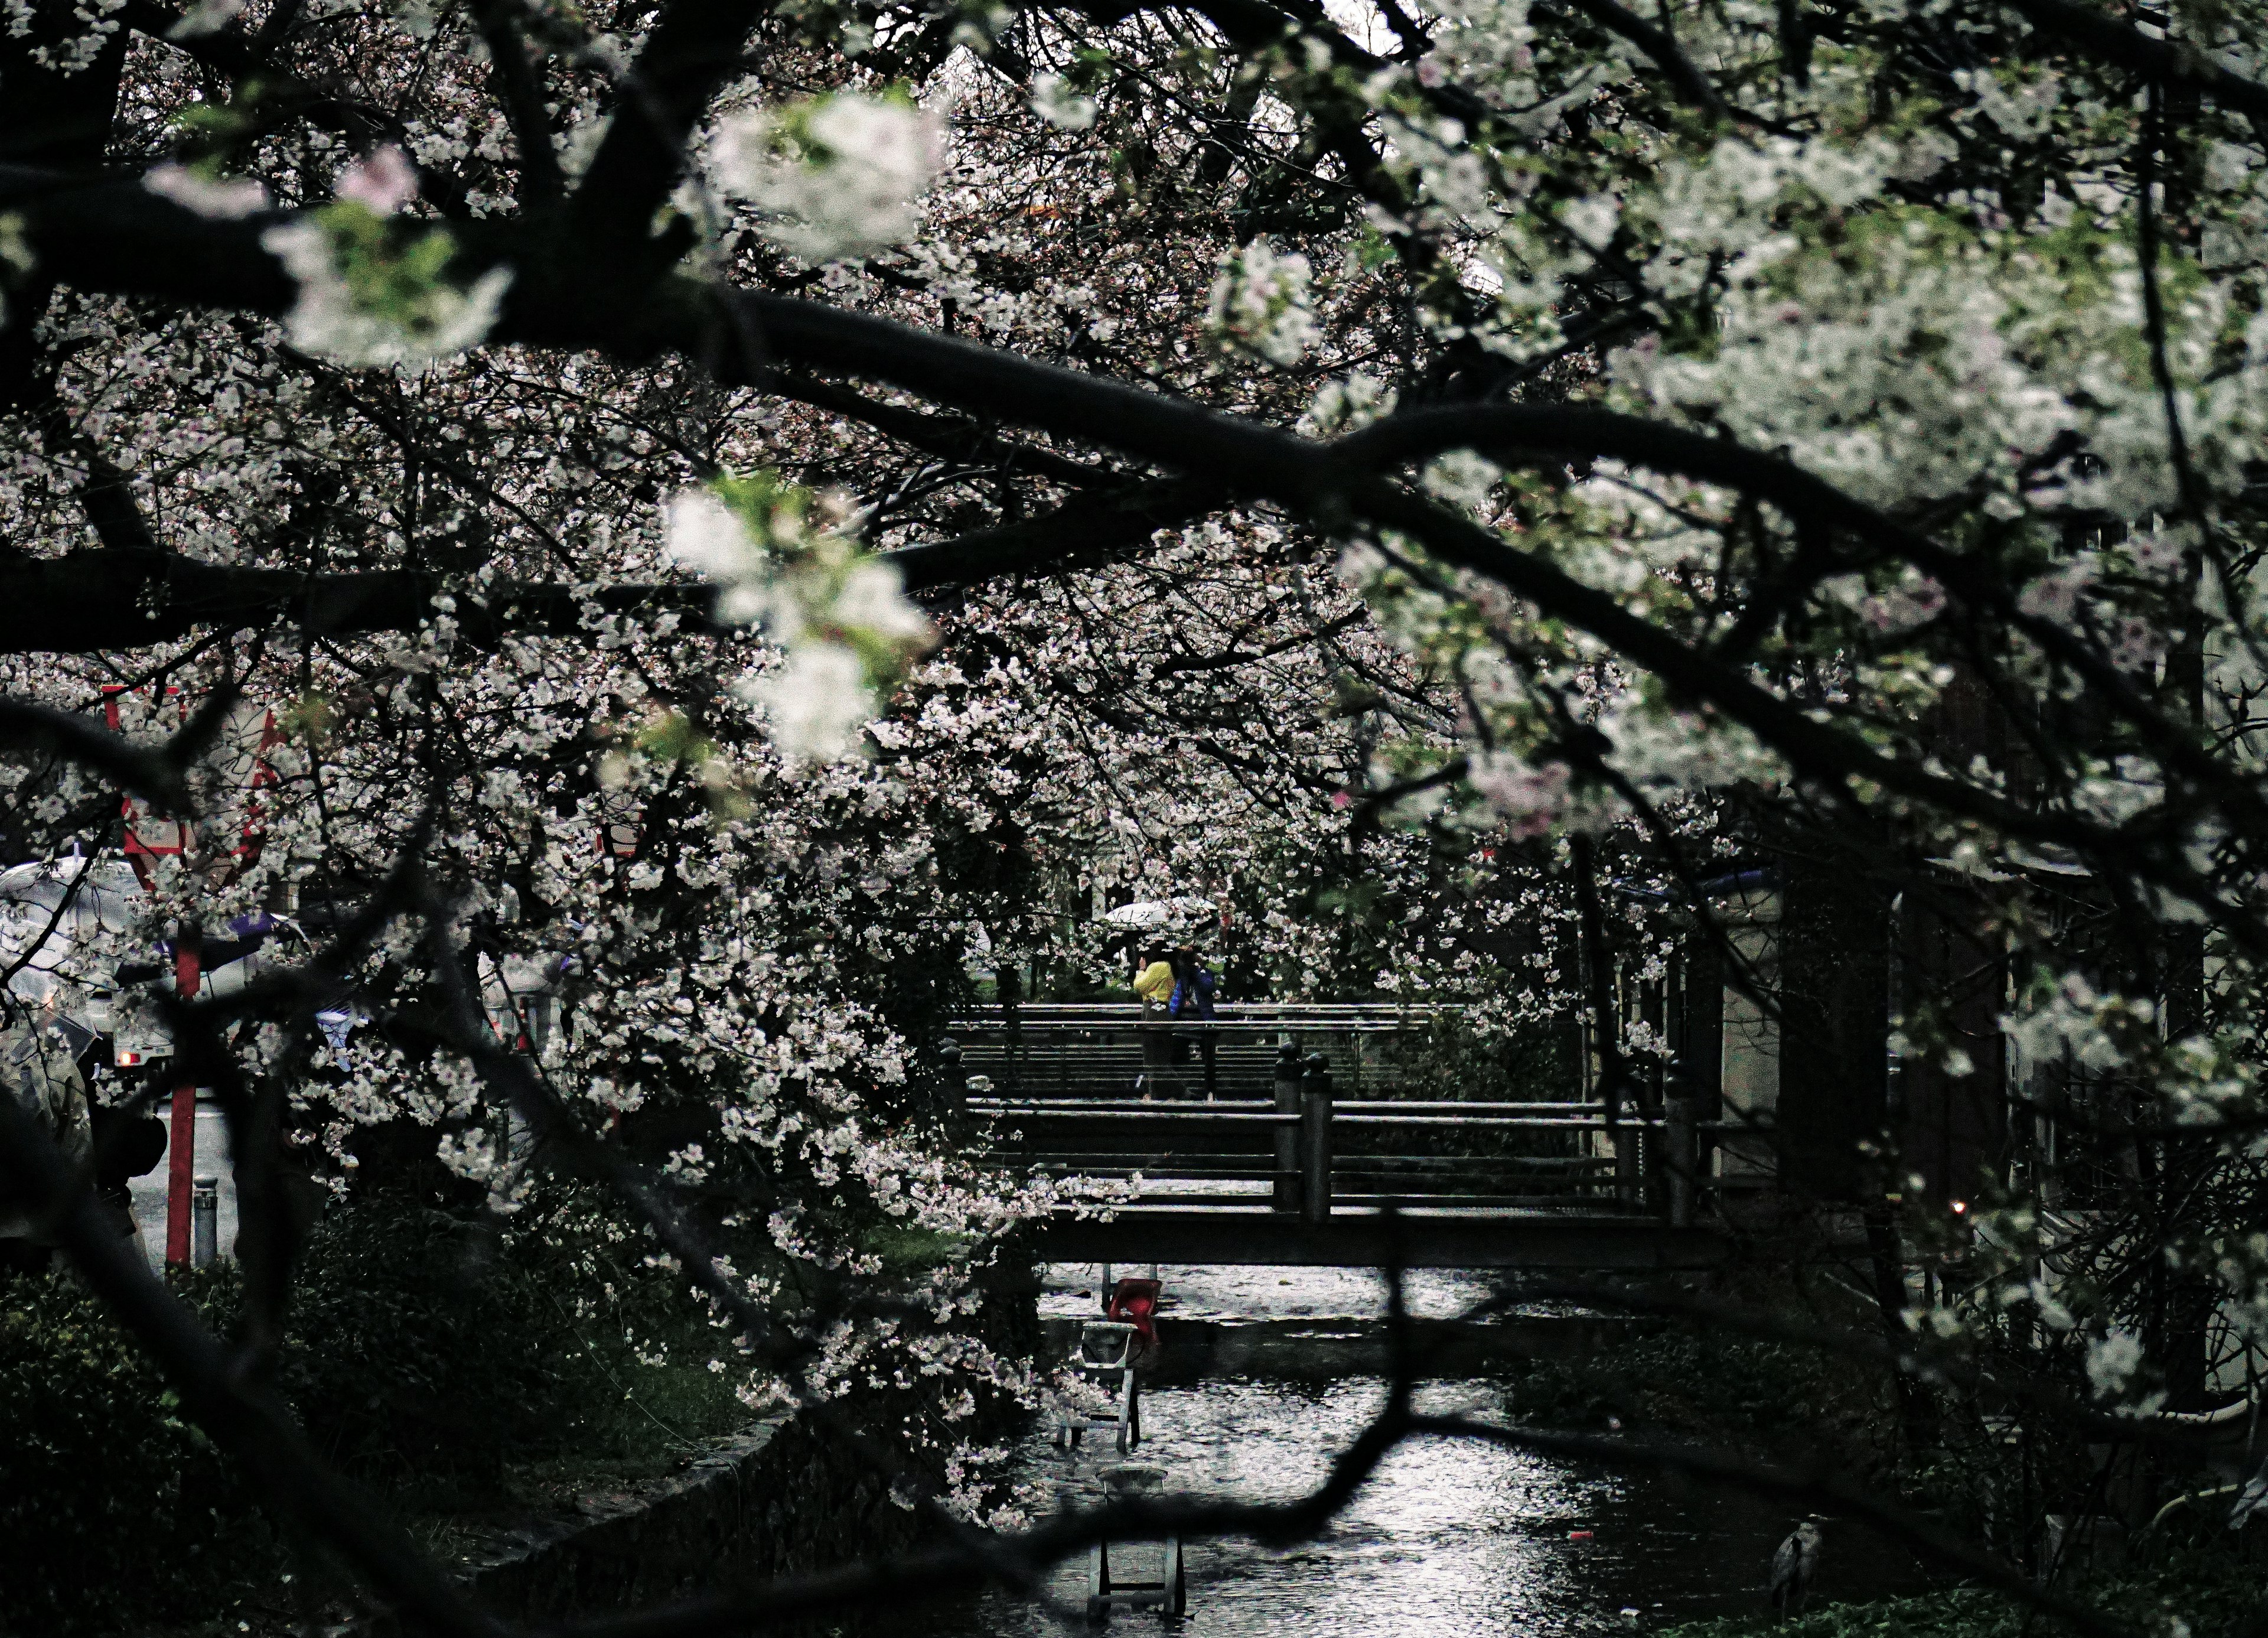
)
(1450, 1539)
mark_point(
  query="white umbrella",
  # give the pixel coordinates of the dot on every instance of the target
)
(1150, 913)
(1154, 914)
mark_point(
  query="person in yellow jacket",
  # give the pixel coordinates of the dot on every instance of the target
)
(1154, 985)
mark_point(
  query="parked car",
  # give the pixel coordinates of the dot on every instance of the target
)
(77, 942)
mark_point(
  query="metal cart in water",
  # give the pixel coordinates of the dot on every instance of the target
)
(1169, 1594)
(1105, 1358)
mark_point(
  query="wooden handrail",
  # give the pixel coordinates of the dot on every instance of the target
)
(1416, 1106)
(1344, 1016)
(1365, 1114)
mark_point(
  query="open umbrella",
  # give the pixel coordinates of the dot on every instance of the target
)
(1152, 914)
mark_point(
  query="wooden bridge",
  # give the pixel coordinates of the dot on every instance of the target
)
(1307, 1134)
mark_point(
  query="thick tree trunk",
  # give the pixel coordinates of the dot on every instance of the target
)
(88, 602)
(49, 117)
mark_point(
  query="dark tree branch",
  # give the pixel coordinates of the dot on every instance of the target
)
(227, 50)
(108, 599)
(2124, 47)
(106, 497)
(114, 237)
(949, 438)
(1527, 434)
(117, 238)
(1818, 751)
(111, 598)
(997, 385)
(687, 55)
(283, 96)
(160, 775)
(1231, 658)
(1088, 529)
(1691, 85)
(785, 1350)
(1252, 26)
(521, 94)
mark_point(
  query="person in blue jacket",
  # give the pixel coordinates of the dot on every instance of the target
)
(1194, 990)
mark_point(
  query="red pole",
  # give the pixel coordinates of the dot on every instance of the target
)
(181, 1172)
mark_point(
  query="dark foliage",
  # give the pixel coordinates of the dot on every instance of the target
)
(424, 1352)
(113, 1506)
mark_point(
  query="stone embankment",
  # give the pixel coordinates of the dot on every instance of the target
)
(778, 1498)
(773, 1500)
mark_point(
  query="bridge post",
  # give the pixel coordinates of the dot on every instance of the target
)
(1683, 1161)
(1628, 1137)
(953, 1073)
(1287, 1140)
(1315, 1139)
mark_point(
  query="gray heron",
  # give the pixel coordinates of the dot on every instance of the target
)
(1793, 1566)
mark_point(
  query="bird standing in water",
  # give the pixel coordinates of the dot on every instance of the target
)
(1792, 1566)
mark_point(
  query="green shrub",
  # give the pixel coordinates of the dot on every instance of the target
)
(447, 1362)
(1752, 1395)
(425, 1353)
(1535, 1063)
(114, 1508)
(417, 1354)
(428, 1350)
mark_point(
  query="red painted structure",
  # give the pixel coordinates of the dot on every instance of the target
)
(149, 837)
(181, 1156)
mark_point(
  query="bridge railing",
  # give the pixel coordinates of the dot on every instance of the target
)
(1304, 1108)
(1100, 1049)
(1229, 1154)
(1227, 1145)
(1366, 1016)
(1304, 1150)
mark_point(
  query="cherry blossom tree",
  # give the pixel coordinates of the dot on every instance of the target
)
(726, 503)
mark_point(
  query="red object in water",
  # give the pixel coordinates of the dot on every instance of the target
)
(1579, 1535)
(1135, 1302)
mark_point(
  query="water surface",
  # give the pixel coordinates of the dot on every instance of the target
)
(1450, 1539)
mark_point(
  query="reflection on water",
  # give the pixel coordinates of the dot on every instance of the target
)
(1262, 1293)
(1449, 1538)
